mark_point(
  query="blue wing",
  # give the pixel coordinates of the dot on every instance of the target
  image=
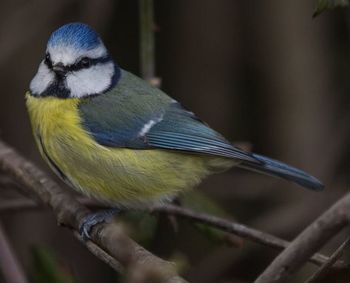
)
(182, 130)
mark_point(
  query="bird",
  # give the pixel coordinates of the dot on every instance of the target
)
(112, 136)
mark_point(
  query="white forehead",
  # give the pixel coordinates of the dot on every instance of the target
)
(68, 55)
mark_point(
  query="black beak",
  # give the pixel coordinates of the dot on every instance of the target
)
(59, 69)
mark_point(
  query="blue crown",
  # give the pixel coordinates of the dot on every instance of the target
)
(77, 35)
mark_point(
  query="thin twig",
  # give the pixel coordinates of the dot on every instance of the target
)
(19, 204)
(110, 237)
(101, 254)
(9, 265)
(308, 242)
(322, 271)
(147, 46)
(238, 229)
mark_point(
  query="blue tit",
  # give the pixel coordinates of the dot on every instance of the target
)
(112, 136)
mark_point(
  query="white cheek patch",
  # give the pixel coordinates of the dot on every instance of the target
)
(67, 55)
(43, 78)
(93, 80)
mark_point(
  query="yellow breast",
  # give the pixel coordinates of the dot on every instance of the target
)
(115, 175)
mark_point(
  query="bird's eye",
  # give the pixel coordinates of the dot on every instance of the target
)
(85, 62)
(47, 60)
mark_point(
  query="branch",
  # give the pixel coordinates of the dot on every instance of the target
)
(107, 236)
(238, 229)
(10, 267)
(213, 221)
(308, 242)
(328, 264)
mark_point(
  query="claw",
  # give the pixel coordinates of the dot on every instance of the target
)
(95, 218)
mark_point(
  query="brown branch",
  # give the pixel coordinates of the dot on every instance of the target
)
(69, 212)
(213, 221)
(9, 265)
(308, 242)
(240, 230)
(322, 271)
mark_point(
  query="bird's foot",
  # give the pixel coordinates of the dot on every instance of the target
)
(92, 219)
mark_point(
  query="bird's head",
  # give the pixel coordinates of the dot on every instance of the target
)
(76, 64)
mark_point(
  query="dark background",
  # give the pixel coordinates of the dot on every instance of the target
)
(262, 72)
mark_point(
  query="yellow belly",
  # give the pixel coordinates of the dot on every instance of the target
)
(116, 175)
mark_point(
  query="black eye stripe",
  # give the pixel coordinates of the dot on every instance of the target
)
(48, 61)
(78, 65)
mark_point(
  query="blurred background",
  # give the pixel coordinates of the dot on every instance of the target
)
(260, 72)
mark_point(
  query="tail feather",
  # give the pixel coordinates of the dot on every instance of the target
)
(275, 168)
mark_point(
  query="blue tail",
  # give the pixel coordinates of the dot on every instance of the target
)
(275, 168)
